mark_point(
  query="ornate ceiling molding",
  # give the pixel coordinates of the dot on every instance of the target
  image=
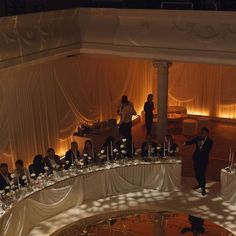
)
(190, 36)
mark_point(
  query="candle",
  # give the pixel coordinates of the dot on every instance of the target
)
(132, 150)
(164, 153)
(72, 159)
(27, 174)
(107, 153)
(232, 159)
(149, 150)
(111, 151)
(168, 145)
(230, 155)
(93, 153)
(18, 181)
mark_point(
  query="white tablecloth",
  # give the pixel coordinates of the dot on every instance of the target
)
(29, 212)
(228, 186)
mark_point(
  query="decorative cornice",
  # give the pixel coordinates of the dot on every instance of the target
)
(189, 36)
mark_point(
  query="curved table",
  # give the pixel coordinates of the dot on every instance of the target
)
(88, 185)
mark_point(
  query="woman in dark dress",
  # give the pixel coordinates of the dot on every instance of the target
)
(148, 108)
(38, 166)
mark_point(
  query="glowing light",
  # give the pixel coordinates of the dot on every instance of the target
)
(198, 112)
(61, 151)
(135, 118)
(227, 111)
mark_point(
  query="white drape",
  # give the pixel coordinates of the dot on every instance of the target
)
(41, 105)
(204, 89)
(228, 186)
(164, 176)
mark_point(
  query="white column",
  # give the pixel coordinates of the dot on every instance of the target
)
(162, 98)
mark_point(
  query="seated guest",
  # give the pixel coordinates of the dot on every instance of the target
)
(52, 161)
(72, 155)
(38, 166)
(149, 149)
(89, 154)
(21, 174)
(5, 177)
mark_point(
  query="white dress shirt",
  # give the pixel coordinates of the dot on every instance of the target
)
(126, 113)
(201, 143)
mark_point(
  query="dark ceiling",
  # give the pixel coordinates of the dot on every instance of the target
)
(16, 7)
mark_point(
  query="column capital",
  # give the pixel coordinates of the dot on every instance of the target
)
(160, 63)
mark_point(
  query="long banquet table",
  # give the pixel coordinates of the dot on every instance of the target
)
(228, 186)
(73, 188)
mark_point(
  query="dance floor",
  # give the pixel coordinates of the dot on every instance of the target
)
(223, 135)
(187, 201)
(144, 223)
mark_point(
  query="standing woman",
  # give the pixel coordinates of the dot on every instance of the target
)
(148, 108)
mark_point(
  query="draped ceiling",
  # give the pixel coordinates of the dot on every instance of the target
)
(41, 105)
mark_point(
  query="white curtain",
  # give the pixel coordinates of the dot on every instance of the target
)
(41, 105)
(204, 89)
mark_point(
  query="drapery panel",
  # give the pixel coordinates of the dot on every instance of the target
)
(42, 105)
(204, 89)
(228, 186)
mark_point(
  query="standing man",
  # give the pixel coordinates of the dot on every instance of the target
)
(148, 108)
(126, 112)
(201, 156)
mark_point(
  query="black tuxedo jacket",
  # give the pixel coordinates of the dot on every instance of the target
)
(48, 163)
(69, 155)
(3, 182)
(201, 153)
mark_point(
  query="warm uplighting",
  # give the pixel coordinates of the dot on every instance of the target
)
(63, 146)
(227, 115)
(198, 112)
(227, 111)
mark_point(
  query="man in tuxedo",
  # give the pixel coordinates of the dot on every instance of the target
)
(5, 176)
(72, 155)
(201, 156)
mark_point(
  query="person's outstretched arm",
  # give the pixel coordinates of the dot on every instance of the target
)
(192, 141)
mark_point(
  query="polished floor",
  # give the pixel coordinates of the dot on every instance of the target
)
(223, 135)
(144, 223)
(187, 201)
